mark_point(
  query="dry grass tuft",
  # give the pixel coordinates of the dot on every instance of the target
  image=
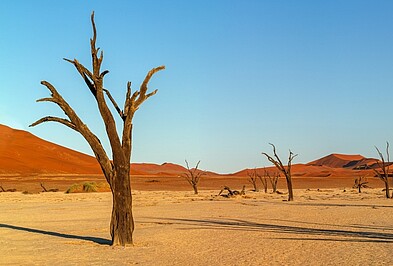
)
(89, 187)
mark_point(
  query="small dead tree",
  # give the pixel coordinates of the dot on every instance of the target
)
(252, 178)
(360, 183)
(384, 166)
(193, 176)
(117, 169)
(263, 179)
(285, 170)
(274, 180)
(48, 190)
(232, 193)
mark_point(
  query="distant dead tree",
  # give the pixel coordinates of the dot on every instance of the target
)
(232, 193)
(48, 190)
(384, 165)
(117, 169)
(193, 176)
(285, 170)
(274, 180)
(252, 178)
(360, 183)
(7, 190)
(263, 179)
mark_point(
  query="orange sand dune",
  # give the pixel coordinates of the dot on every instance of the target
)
(25, 154)
(26, 160)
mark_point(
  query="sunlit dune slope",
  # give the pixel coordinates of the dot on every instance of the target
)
(23, 153)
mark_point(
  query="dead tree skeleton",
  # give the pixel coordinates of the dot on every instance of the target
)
(360, 183)
(384, 165)
(232, 193)
(273, 181)
(193, 176)
(117, 169)
(252, 178)
(263, 179)
(285, 170)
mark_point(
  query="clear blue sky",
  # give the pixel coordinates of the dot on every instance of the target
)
(315, 77)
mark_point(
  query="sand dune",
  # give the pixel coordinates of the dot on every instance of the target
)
(26, 161)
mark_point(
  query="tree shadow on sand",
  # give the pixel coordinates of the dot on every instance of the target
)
(98, 240)
(305, 232)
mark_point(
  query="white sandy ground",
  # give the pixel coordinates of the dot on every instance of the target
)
(326, 227)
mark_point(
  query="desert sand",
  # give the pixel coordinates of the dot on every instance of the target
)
(321, 227)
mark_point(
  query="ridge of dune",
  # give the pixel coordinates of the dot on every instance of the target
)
(336, 160)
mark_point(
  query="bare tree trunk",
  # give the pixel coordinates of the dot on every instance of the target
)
(387, 192)
(122, 221)
(290, 189)
(195, 187)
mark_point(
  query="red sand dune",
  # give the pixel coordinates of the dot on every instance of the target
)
(24, 154)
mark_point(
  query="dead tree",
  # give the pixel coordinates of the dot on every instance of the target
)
(263, 180)
(384, 165)
(232, 193)
(360, 183)
(252, 178)
(285, 170)
(7, 190)
(117, 169)
(48, 190)
(273, 181)
(193, 176)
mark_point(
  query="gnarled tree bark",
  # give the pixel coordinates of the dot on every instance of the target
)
(117, 170)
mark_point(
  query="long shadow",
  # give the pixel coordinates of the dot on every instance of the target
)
(356, 226)
(97, 240)
(237, 224)
(319, 204)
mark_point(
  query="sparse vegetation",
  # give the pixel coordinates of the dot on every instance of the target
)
(285, 170)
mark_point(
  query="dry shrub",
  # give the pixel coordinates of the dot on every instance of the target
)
(89, 187)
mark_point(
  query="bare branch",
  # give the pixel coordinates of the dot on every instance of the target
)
(54, 119)
(76, 123)
(85, 73)
(120, 112)
(143, 89)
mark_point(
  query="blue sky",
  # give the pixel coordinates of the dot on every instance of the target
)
(315, 77)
